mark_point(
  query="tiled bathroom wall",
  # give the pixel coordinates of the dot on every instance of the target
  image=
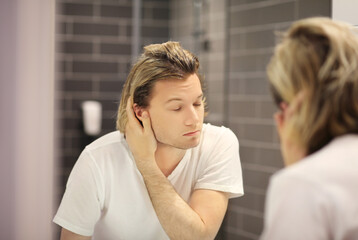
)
(200, 26)
(94, 42)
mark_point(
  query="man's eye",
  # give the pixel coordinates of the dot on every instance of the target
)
(177, 109)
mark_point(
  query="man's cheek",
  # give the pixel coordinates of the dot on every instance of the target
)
(156, 128)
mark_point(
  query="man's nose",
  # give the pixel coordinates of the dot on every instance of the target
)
(192, 116)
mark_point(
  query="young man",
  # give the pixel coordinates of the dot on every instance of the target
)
(164, 174)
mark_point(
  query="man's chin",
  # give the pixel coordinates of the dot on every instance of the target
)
(189, 145)
(183, 145)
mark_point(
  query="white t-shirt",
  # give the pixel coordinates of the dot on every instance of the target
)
(316, 198)
(106, 197)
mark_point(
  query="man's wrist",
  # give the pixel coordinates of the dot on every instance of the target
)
(147, 166)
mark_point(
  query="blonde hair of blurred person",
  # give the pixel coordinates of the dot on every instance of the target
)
(158, 62)
(314, 80)
(317, 59)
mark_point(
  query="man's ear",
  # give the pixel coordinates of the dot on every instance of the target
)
(138, 111)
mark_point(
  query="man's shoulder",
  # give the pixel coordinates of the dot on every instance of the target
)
(217, 131)
(107, 140)
(216, 134)
(108, 149)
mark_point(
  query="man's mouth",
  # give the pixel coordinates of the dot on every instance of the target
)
(192, 133)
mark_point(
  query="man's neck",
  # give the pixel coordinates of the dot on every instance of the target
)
(168, 157)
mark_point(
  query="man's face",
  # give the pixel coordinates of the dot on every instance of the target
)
(176, 110)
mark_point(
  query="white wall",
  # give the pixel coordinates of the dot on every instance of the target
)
(345, 10)
(27, 118)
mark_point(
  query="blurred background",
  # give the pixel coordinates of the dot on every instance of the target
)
(56, 54)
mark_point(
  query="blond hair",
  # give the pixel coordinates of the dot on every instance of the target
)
(158, 62)
(319, 57)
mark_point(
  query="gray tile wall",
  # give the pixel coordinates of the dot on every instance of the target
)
(93, 55)
(241, 37)
(208, 45)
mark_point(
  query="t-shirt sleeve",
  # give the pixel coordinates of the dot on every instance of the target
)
(296, 208)
(220, 166)
(80, 207)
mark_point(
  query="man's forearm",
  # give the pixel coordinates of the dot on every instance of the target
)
(178, 219)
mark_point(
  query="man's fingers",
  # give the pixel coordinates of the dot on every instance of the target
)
(132, 120)
(146, 122)
(129, 109)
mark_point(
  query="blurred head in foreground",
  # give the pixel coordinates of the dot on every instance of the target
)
(314, 80)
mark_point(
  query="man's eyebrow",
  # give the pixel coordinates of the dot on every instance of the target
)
(180, 99)
(173, 99)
